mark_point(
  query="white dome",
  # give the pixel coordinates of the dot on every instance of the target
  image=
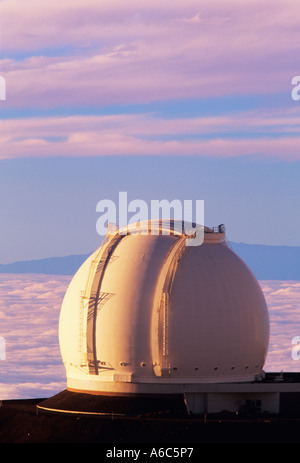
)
(146, 313)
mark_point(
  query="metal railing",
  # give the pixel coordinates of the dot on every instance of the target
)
(218, 229)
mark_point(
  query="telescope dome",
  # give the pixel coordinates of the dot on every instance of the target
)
(146, 313)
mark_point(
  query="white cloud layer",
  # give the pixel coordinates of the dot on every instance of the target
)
(29, 313)
(283, 299)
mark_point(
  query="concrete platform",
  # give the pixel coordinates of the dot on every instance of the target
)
(124, 406)
(22, 422)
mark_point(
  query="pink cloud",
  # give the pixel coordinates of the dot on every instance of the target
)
(111, 53)
(77, 22)
(151, 135)
(135, 74)
(142, 52)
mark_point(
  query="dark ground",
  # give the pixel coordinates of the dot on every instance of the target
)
(22, 422)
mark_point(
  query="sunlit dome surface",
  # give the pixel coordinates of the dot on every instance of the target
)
(147, 313)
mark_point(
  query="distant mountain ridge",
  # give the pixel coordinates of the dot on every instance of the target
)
(270, 262)
(52, 265)
(266, 262)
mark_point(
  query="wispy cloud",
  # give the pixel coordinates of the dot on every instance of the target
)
(149, 134)
(101, 54)
(105, 53)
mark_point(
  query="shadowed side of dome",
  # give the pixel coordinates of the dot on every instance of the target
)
(218, 318)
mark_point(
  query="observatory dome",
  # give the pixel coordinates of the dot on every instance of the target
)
(146, 313)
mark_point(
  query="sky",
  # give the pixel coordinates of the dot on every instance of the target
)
(189, 100)
(164, 100)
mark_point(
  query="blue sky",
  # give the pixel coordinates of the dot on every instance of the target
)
(52, 202)
(177, 101)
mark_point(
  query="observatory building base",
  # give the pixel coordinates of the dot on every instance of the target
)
(192, 399)
(268, 402)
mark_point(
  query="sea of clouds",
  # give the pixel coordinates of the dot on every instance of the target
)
(29, 315)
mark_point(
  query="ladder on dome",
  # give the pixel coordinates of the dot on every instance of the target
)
(178, 251)
(83, 309)
(95, 298)
(86, 315)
